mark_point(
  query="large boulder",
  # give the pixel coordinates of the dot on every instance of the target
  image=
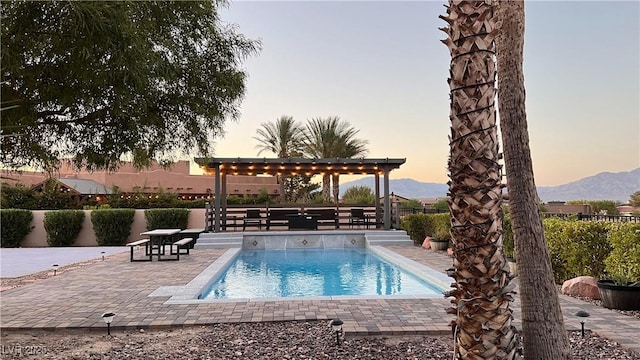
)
(426, 244)
(582, 286)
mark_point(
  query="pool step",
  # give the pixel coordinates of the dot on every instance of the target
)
(219, 240)
(383, 238)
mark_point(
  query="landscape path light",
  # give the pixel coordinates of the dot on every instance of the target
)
(582, 314)
(55, 269)
(336, 324)
(108, 318)
(102, 252)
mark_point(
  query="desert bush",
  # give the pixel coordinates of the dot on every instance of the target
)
(167, 218)
(112, 226)
(417, 226)
(577, 248)
(63, 226)
(623, 263)
(16, 224)
(508, 244)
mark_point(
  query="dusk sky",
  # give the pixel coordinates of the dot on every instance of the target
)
(381, 67)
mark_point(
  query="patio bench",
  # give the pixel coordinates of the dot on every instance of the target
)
(181, 244)
(147, 250)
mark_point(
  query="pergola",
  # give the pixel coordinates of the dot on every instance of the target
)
(221, 167)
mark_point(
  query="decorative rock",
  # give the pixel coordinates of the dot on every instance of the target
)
(582, 286)
(426, 244)
(450, 252)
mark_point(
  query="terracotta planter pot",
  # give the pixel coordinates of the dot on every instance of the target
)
(619, 297)
(439, 245)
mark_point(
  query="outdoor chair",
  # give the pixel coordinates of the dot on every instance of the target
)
(252, 217)
(358, 217)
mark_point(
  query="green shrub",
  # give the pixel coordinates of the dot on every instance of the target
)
(441, 226)
(167, 218)
(18, 197)
(417, 226)
(508, 245)
(623, 263)
(63, 226)
(16, 224)
(112, 226)
(577, 248)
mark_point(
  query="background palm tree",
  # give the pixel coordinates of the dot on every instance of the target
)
(545, 336)
(482, 290)
(328, 138)
(284, 138)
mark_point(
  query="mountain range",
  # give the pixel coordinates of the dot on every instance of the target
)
(603, 186)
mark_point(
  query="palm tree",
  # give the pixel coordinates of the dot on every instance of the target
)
(284, 138)
(482, 291)
(544, 337)
(331, 137)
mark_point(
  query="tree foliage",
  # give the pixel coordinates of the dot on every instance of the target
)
(359, 195)
(332, 137)
(634, 200)
(98, 80)
(283, 137)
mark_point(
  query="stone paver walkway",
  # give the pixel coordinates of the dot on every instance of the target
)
(77, 298)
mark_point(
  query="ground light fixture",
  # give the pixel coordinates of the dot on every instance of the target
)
(336, 324)
(54, 267)
(102, 252)
(108, 318)
(582, 314)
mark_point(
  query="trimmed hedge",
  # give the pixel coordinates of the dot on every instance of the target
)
(419, 226)
(16, 224)
(63, 226)
(167, 218)
(577, 248)
(623, 263)
(112, 226)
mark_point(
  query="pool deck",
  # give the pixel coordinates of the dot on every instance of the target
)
(76, 299)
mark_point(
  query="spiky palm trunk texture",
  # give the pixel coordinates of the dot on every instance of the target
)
(482, 290)
(542, 324)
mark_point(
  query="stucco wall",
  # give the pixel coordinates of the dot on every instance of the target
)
(38, 236)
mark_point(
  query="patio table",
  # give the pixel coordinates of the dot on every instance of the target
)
(159, 238)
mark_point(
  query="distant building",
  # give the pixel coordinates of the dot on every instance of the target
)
(128, 180)
(560, 207)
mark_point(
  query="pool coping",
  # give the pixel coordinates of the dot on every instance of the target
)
(190, 293)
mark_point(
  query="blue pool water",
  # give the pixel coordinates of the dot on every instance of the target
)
(314, 272)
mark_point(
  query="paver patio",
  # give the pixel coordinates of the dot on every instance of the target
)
(77, 298)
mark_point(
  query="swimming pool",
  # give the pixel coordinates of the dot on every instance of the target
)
(192, 292)
(297, 273)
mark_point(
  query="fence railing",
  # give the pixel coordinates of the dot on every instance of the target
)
(596, 217)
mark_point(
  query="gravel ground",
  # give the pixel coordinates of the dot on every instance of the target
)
(284, 340)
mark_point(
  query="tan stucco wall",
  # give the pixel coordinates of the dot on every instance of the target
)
(38, 236)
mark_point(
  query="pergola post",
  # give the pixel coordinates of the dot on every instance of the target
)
(377, 202)
(216, 200)
(387, 202)
(223, 200)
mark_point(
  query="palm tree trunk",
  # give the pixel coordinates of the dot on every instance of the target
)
(335, 179)
(482, 290)
(542, 324)
(326, 187)
(281, 180)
